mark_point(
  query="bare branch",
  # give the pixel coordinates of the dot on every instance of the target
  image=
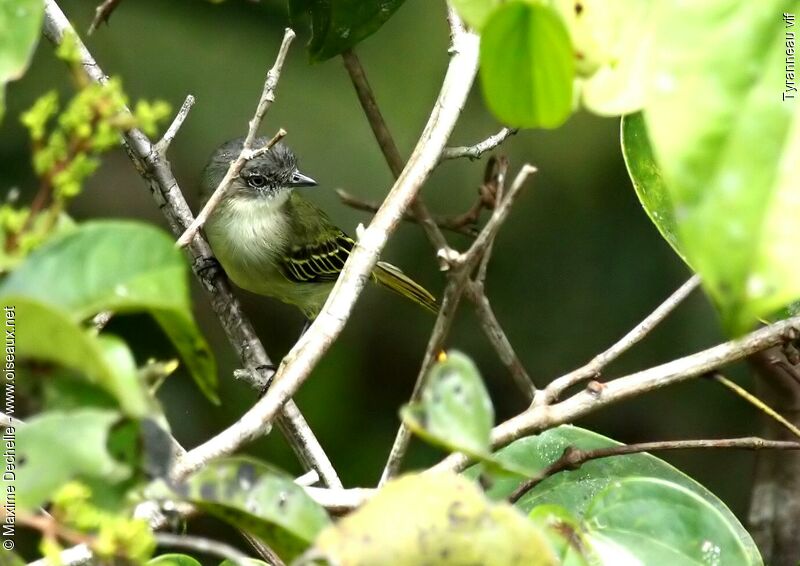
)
(593, 368)
(264, 103)
(461, 268)
(323, 331)
(755, 401)
(156, 171)
(163, 145)
(497, 337)
(573, 458)
(204, 545)
(102, 13)
(441, 328)
(386, 142)
(477, 150)
(541, 416)
(460, 224)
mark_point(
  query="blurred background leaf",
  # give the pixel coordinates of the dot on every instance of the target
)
(20, 21)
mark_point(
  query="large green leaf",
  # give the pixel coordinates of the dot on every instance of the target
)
(612, 40)
(20, 22)
(527, 65)
(44, 332)
(647, 178)
(338, 25)
(258, 499)
(651, 521)
(120, 266)
(438, 520)
(575, 490)
(455, 410)
(728, 145)
(47, 456)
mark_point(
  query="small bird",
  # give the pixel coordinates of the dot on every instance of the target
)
(272, 241)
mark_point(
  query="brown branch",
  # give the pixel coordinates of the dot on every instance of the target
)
(459, 272)
(386, 142)
(154, 168)
(573, 458)
(102, 13)
(459, 224)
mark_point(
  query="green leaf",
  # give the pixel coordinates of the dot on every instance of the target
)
(124, 267)
(21, 21)
(475, 12)
(652, 521)
(173, 560)
(612, 41)
(575, 490)
(728, 145)
(647, 178)
(455, 410)
(258, 499)
(46, 458)
(527, 66)
(438, 520)
(564, 535)
(338, 25)
(104, 360)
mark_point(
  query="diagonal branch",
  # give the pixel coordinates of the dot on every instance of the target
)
(543, 416)
(593, 368)
(386, 142)
(461, 268)
(477, 150)
(304, 356)
(154, 168)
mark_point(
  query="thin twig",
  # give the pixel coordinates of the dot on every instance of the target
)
(755, 401)
(157, 173)
(264, 103)
(308, 350)
(540, 417)
(386, 142)
(163, 144)
(462, 266)
(204, 545)
(573, 458)
(102, 13)
(593, 368)
(477, 150)
(441, 328)
(459, 224)
(497, 337)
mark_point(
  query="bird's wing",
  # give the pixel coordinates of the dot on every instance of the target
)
(320, 261)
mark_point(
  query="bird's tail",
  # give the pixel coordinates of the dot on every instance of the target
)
(392, 278)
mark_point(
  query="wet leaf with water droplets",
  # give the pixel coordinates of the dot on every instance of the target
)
(259, 499)
(455, 410)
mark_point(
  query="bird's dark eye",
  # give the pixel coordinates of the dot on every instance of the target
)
(257, 181)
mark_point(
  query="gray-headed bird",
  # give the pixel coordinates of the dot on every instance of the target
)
(272, 241)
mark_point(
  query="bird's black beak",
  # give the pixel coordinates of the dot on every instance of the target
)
(300, 180)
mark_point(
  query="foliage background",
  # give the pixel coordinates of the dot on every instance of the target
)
(577, 264)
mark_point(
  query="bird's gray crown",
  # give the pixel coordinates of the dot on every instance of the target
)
(265, 175)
